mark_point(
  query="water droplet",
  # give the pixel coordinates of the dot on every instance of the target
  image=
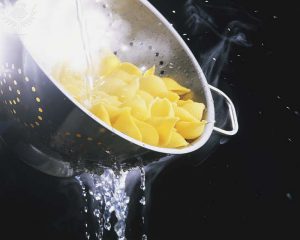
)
(275, 17)
(173, 11)
(297, 113)
(290, 140)
(107, 226)
(214, 59)
(278, 97)
(85, 209)
(143, 179)
(97, 213)
(144, 237)
(143, 201)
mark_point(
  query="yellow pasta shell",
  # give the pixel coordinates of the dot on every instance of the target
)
(100, 111)
(139, 108)
(148, 98)
(164, 127)
(194, 108)
(176, 140)
(150, 72)
(130, 69)
(184, 115)
(148, 132)
(190, 130)
(153, 85)
(108, 64)
(125, 124)
(161, 108)
(172, 85)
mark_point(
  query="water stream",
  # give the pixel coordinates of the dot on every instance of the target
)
(90, 70)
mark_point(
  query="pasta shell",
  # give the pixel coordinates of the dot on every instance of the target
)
(139, 108)
(172, 85)
(176, 140)
(150, 72)
(149, 133)
(164, 127)
(126, 124)
(153, 85)
(108, 64)
(162, 108)
(184, 115)
(190, 130)
(100, 111)
(130, 69)
(194, 108)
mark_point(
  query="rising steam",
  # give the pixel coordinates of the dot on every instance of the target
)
(216, 38)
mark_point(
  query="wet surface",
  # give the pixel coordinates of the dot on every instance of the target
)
(250, 181)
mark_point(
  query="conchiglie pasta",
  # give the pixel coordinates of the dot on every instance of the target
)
(125, 123)
(154, 110)
(148, 132)
(190, 130)
(101, 112)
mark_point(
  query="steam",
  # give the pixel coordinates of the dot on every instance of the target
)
(217, 34)
(214, 54)
(56, 37)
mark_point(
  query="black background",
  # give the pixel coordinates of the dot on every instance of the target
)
(250, 183)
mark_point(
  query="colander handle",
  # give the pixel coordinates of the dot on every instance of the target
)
(232, 114)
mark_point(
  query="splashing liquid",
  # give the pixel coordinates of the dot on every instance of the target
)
(110, 192)
(84, 194)
(89, 74)
(143, 199)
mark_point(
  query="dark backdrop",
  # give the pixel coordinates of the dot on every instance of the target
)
(249, 183)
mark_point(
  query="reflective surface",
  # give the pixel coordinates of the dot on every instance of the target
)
(251, 181)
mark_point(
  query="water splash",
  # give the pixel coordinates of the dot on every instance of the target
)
(143, 178)
(143, 199)
(84, 194)
(110, 191)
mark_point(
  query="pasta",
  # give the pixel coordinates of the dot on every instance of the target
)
(154, 110)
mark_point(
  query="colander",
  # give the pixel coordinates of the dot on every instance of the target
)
(52, 122)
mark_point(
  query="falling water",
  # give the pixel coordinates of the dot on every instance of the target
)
(89, 75)
(110, 192)
(85, 209)
(143, 199)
